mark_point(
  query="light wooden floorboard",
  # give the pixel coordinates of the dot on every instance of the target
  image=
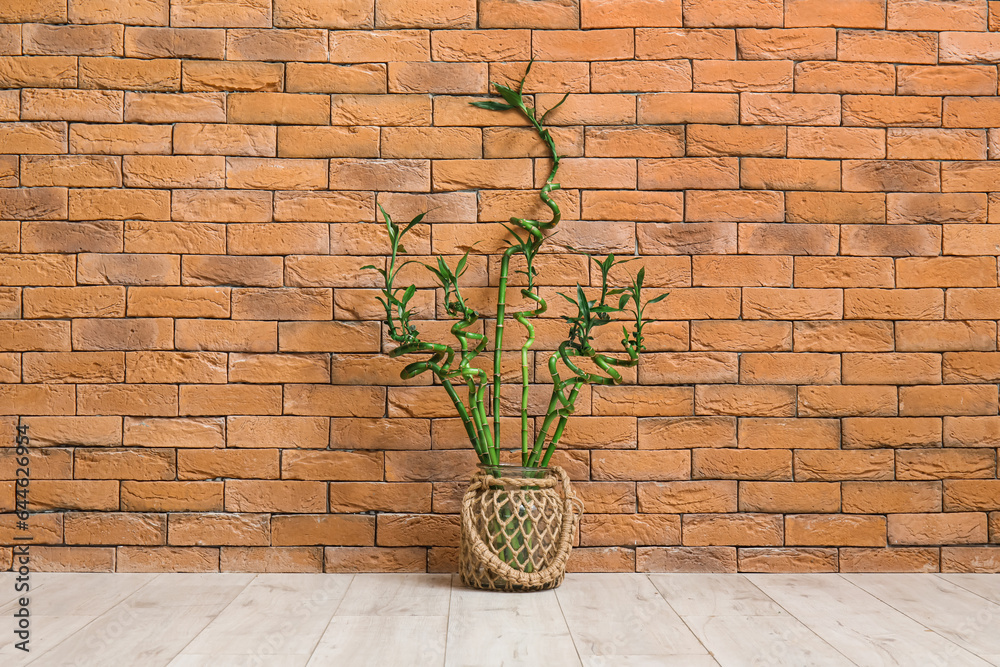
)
(605, 620)
(859, 625)
(967, 619)
(397, 595)
(281, 614)
(622, 614)
(487, 629)
(383, 640)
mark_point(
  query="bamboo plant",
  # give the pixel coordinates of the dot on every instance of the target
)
(452, 364)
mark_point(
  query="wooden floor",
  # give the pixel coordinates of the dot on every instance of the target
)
(662, 620)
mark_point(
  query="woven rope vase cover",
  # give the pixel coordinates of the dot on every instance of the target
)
(517, 531)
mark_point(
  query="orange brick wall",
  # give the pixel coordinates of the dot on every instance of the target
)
(188, 193)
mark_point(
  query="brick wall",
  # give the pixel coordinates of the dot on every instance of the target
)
(188, 191)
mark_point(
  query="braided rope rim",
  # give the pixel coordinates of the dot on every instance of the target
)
(572, 510)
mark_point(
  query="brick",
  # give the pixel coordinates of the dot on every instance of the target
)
(212, 13)
(46, 11)
(788, 174)
(167, 559)
(401, 530)
(649, 465)
(971, 495)
(69, 237)
(891, 175)
(791, 304)
(253, 44)
(825, 272)
(74, 495)
(969, 559)
(206, 367)
(967, 176)
(962, 367)
(171, 496)
(73, 367)
(115, 334)
(789, 109)
(969, 47)
(760, 13)
(227, 399)
(218, 139)
(389, 45)
(119, 139)
(740, 271)
(789, 497)
(840, 77)
(883, 46)
(658, 76)
(175, 108)
(551, 14)
(221, 206)
(898, 240)
(40, 269)
(789, 368)
(137, 464)
(375, 559)
(758, 401)
(743, 76)
(42, 336)
(334, 401)
(641, 529)
(399, 14)
(712, 140)
(333, 466)
(127, 399)
(686, 559)
(581, 172)
(323, 530)
(944, 336)
(898, 368)
(323, 78)
(598, 109)
(179, 301)
(855, 400)
(324, 14)
(132, 74)
(109, 204)
(875, 432)
(734, 206)
(950, 463)
(787, 560)
(834, 465)
(741, 336)
(353, 497)
(173, 43)
(929, 144)
(946, 272)
(948, 400)
(949, 80)
(825, 207)
(174, 432)
(778, 44)
(951, 528)
(732, 529)
(836, 142)
(202, 464)
(219, 529)
(878, 111)
(82, 40)
(71, 171)
(682, 432)
(227, 335)
(83, 105)
(482, 45)
(891, 497)
(33, 138)
(688, 108)
(936, 15)
(278, 108)
(232, 76)
(271, 559)
(92, 431)
(935, 208)
(116, 528)
(607, 14)
(601, 559)
(10, 39)
(685, 173)
(967, 304)
(572, 45)
(128, 269)
(642, 401)
(969, 111)
(38, 72)
(546, 77)
(842, 530)
(852, 14)
(412, 175)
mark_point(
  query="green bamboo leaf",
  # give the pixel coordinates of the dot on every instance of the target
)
(546, 114)
(511, 96)
(491, 105)
(520, 86)
(460, 269)
(659, 298)
(370, 266)
(413, 222)
(408, 294)
(624, 300)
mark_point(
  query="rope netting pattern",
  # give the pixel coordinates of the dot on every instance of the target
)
(517, 533)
